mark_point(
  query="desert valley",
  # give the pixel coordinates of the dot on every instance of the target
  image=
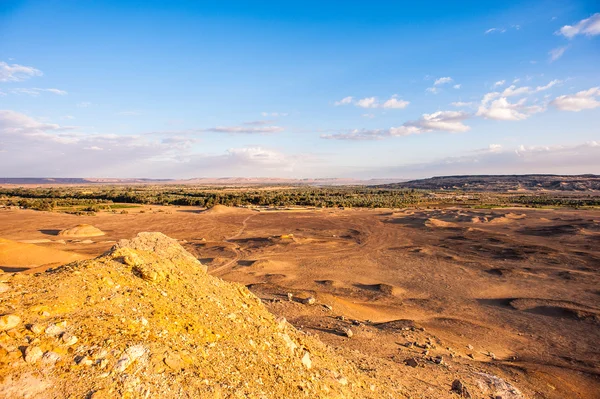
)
(504, 300)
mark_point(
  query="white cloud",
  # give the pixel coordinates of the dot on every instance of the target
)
(448, 121)
(36, 91)
(514, 91)
(502, 109)
(556, 53)
(495, 148)
(245, 129)
(586, 99)
(559, 159)
(461, 104)
(395, 103)
(17, 73)
(499, 83)
(370, 116)
(492, 30)
(33, 148)
(372, 102)
(344, 101)
(433, 90)
(84, 104)
(369, 102)
(442, 81)
(274, 114)
(589, 27)
(457, 86)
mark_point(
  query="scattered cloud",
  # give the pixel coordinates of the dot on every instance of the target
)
(68, 117)
(395, 103)
(502, 109)
(16, 72)
(589, 27)
(462, 104)
(274, 114)
(448, 121)
(370, 116)
(245, 129)
(84, 104)
(457, 86)
(36, 91)
(259, 123)
(433, 90)
(368, 102)
(494, 30)
(442, 81)
(556, 53)
(372, 102)
(586, 99)
(66, 151)
(495, 159)
(343, 101)
(499, 83)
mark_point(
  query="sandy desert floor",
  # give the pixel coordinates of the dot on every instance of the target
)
(513, 293)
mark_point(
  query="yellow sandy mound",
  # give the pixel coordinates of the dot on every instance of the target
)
(82, 230)
(431, 222)
(20, 255)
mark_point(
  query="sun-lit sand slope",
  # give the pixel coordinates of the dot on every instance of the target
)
(511, 293)
(17, 256)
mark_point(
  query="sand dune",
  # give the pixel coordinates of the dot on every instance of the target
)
(81, 230)
(16, 256)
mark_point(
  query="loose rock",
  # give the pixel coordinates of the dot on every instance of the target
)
(9, 321)
(460, 388)
(33, 354)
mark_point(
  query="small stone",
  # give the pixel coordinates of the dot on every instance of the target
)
(438, 360)
(281, 322)
(309, 301)
(4, 288)
(348, 332)
(69, 339)
(409, 344)
(50, 357)
(306, 360)
(144, 321)
(36, 328)
(492, 355)
(412, 362)
(9, 321)
(460, 388)
(84, 361)
(102, 363)
(328, 307)
(470, 347)
(471, 355)
(174, 361)
(343, 380)
(33, 354)
(53, 330)
(290, 296)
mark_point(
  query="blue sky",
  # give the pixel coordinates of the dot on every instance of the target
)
(391, 89)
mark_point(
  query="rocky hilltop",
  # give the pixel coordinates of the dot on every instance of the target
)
(505, 183)
(145, 320)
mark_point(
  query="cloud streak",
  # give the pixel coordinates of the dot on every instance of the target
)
(588, 27)
(16, 72)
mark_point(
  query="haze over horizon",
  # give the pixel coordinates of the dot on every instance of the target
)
(309, 89)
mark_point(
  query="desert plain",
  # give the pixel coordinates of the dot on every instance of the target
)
(511, 295)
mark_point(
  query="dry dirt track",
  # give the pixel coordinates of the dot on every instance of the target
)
(512, 293)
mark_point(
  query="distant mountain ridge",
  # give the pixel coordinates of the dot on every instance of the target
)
(533, 182)
(221, 181)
